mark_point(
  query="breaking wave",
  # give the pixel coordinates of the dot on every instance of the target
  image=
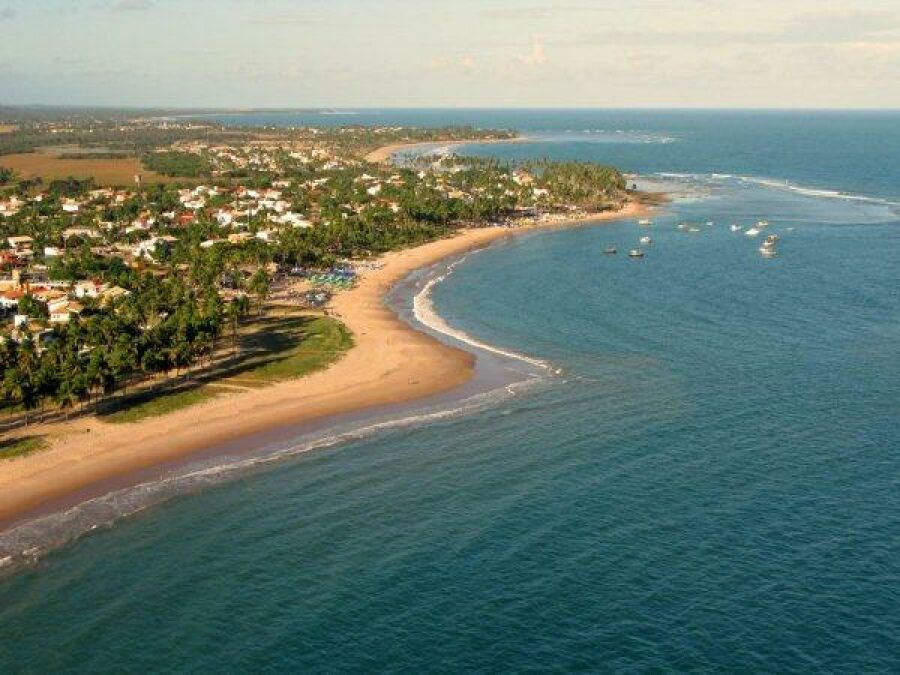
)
(424, 312)
(711, 179)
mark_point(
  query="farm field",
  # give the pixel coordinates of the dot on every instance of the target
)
(104, 171)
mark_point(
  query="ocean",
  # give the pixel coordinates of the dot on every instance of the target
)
(684, 462)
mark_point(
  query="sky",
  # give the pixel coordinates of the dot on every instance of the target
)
(451, 53)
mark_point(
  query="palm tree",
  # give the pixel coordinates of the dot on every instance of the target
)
(260, 286)
(66, 396)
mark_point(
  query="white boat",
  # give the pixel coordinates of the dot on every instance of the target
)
(752, 232)
(610, 250)
(710, 223)
(646, 241)
(735, 228)
(768, 251)
(635, 253)
(694, 229)
(645, 221)
(683, 226)
(762, 224)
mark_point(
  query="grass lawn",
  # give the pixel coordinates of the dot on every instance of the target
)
(272, 350)
(292, 348)
(17, 447)
(160, 405)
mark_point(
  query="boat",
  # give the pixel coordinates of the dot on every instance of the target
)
(610, 250)
(646, 241)
(735, 228)
(694, 229)
(762, 224)
(771, 240)
(710, 223)
(768, 251)
(752, 231)
(683, 226)
(645, 221)
(635, 253)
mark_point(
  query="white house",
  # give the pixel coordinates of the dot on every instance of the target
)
(20, 242)
(62, 312)
(91, 288)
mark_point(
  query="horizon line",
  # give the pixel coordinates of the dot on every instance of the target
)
(367, 108)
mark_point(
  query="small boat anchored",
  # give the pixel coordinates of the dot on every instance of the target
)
(646, 241)
(768, 246)
(735, 228)
(635, 253)
(610, 250)
(646, 222)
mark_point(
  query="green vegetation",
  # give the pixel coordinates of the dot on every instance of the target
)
(271, 350)
(588, 186)
(184, 164)
(93, 155)
(161, 405)
(292, 348)
(18, 447)
(6, 175)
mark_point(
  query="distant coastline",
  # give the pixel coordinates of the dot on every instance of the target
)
(385, 153)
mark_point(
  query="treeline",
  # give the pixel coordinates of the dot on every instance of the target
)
(175, 163)
(164, 325)
(587, 185)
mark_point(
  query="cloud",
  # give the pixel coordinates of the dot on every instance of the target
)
(466, 63)
(132, 5)
(821, 28)
(537, 56)
(522, 13)
(7, 14)
(284, 20)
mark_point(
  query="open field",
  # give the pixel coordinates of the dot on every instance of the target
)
(103, 171)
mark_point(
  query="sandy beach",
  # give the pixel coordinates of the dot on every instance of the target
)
(384, 153)
(390, 363)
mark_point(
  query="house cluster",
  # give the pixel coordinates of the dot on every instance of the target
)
(63, 299)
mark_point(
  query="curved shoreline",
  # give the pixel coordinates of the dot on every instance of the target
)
(383, 154)
(390, 363)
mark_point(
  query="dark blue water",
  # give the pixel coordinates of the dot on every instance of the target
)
(710, 484)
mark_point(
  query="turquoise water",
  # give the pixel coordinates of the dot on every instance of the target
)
(710, 482)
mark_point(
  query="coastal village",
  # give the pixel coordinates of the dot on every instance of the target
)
(105, 288)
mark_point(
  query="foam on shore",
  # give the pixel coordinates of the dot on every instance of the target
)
(424, 312)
